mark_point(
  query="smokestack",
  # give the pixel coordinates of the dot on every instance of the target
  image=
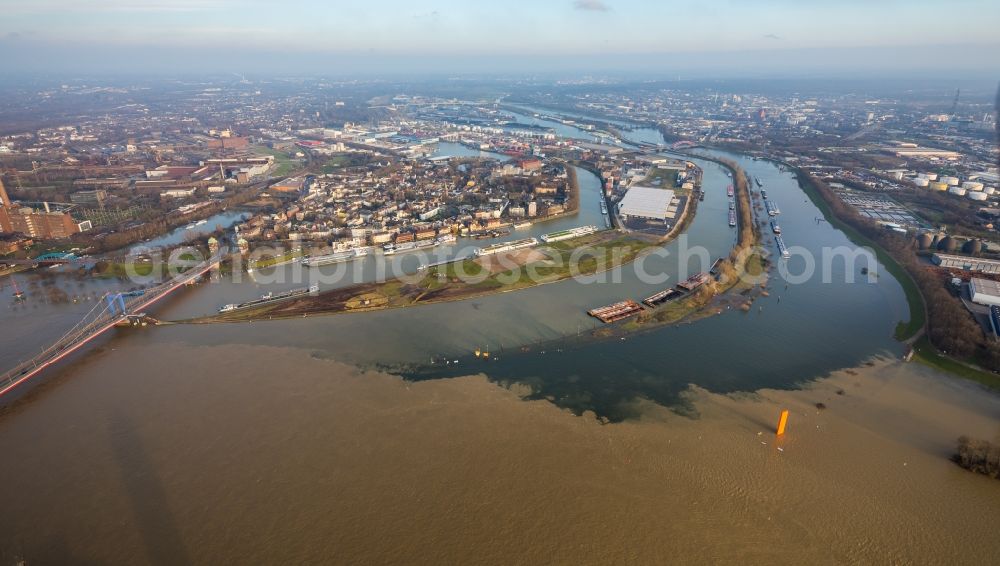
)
(4, 199)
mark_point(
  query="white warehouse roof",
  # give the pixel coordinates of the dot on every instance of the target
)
(647, 202)
(984, 291)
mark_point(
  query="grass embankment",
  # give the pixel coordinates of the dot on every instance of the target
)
(587, 255)
(269, 261)
(124, 270)
(924, 352)
(918, 316)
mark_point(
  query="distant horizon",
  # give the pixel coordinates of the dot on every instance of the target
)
(759, 38)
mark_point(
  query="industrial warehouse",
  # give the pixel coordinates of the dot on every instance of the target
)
(984, 291)
(966, 263)
(647, 203)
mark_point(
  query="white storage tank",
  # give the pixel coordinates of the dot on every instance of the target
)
(931, 176)
(921, 181)
(939, 186)
(978, 195)
(950, 181)
(957, 191)
(989, 190)
(972, 185)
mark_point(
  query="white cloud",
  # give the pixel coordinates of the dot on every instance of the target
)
(591, 5)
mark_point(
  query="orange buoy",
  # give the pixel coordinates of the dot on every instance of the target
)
(782, 422)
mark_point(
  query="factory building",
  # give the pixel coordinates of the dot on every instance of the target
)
(984, 291)
(967, 263)
(647, 203)
(42, 223)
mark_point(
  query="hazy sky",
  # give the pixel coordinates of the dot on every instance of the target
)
(169, 34)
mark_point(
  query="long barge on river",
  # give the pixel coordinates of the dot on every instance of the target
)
(271, 298)
(772, 209)
(568, 234)
(732, 218)
(507, 246)
(756, 179)
(774, 227)
(616, 312)
(782, 248)
(695, 281)
(661, 297)
(730, 191)
(338, 257)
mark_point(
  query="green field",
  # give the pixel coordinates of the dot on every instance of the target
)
(284, 163)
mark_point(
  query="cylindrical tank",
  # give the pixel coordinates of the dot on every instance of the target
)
(957, 191)
(948, 244)
(935, 241)
(931, 176)
(950, 181)
(972, 247)
(924, 241)
(939, 186)
(921, 181)
(977, 195)
(989, 190)
(972, 185)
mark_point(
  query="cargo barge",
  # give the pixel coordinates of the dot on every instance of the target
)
(271, 298)
(782, 248)
(337, 257)
(772, 209)
(729, 191)
(763, 194)
(775, 228)
(661, 297)
(695, 281)
(568, 234)
(756, 179)
(507, 247)
(732, 218)
(616, 312)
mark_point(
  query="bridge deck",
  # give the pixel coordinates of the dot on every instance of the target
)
(86, 330)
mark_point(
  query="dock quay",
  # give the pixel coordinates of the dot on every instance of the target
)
(616, 312)
(661, 297)
(715, 266)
